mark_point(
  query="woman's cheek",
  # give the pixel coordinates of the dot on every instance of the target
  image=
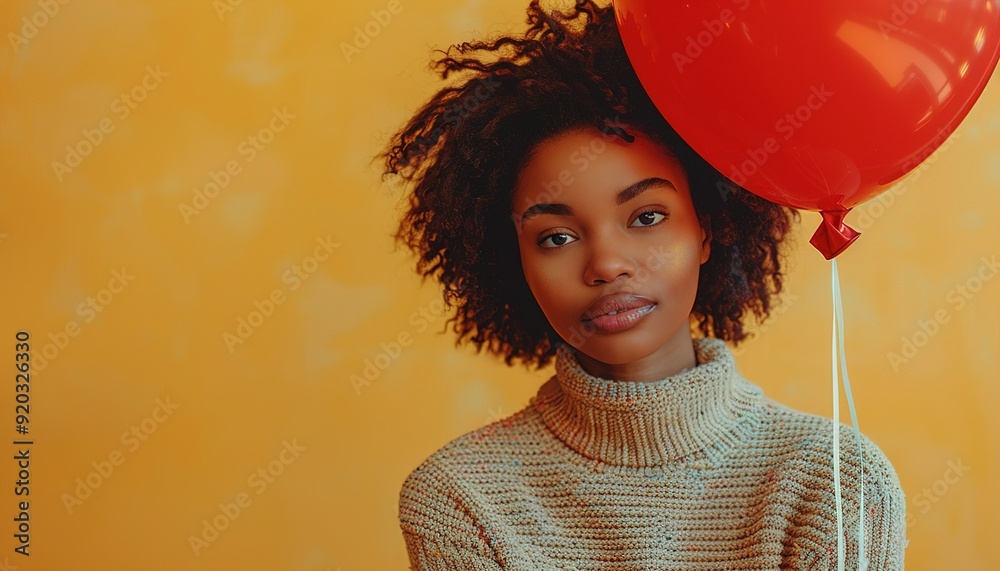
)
(544, 282)
(550, 271)
(680, 267)
(678, 258)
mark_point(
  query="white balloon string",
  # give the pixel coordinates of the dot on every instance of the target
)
(839, 308)
(836, 421)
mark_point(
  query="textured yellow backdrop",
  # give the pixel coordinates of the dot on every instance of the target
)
(193, 236)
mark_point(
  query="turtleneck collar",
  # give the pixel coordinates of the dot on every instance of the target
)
(649, 423)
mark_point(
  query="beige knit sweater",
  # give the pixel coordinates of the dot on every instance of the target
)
(698, 471)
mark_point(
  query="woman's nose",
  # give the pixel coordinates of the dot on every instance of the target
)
(608, 260)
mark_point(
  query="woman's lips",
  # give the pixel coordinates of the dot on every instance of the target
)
(621, 321)
(616, 302)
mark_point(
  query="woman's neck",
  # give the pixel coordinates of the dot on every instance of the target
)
(675, 356)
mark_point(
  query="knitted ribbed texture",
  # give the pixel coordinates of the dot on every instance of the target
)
(697, 471)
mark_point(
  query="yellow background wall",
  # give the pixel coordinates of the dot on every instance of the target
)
(148, 407)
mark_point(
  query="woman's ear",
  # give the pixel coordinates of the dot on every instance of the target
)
(706, 237)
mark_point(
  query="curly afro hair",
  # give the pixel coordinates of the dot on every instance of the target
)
(463, 149)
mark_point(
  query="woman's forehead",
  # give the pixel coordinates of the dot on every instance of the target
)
(584, 163)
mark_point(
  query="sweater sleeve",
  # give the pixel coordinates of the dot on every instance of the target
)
(884, 511)
(885, 520)
(441, 526)
(437, 554)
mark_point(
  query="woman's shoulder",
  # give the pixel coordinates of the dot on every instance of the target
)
(803, 465)
(483, 452)
(813, 433)
(458, 484)
(802, 447)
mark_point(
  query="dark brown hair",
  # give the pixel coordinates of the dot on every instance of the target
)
(463, 149)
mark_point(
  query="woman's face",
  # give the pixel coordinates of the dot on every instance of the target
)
(596, 216)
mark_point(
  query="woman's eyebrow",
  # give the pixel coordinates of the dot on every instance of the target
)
(623, 196)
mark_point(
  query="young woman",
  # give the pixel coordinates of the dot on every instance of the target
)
(567, 221)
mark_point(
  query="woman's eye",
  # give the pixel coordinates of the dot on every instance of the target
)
(558, 239)
(646, 219)
(649, 218)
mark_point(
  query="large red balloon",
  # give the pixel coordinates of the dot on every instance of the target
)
(815, 104)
